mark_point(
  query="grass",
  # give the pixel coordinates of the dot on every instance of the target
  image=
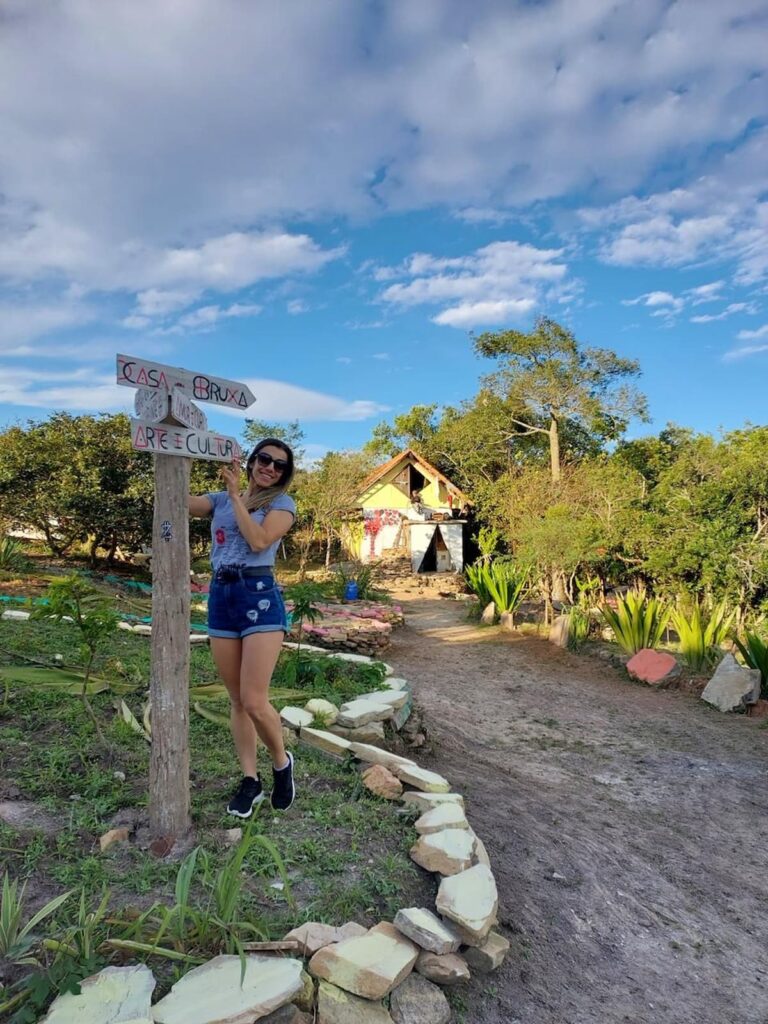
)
(345, 851)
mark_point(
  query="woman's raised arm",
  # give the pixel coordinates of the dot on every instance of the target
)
(199, 506)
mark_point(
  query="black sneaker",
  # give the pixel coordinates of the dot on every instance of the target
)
(247, 795)
(283, 789)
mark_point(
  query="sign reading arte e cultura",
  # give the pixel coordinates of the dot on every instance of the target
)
(169, 422)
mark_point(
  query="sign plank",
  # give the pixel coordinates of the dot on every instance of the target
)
(151, 405)
(184, 411)
(135, 372)
(166, 439)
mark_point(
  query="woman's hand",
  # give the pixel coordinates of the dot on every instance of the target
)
(231, 477)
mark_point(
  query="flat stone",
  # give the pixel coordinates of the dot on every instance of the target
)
(142, 629)
(319, 706)
(198, 638)
(470, 899)
(116, 995)
(420, 778)
(372, 732)
(559, 631)
(323, 740)
(445, 815)
(11, 615)
(313, 935)
(335, 1006)
(296, 717)
(397, 683)
(25, 816)
(489, 955)
(426, 801)
(427, 930)
(369, 966)
(443, 969)
(305, 1000)
(733, 687)
(360, 712)
(448, 852)
(656, 668)
(418, 1001)
(402, 715)
(115, 835)
(480, 854)
(375, 755)
(488, 615)
(381, 782)
(394, 698)
(213, 994)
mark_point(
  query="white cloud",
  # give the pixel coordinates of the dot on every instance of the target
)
(276, 400)
(297, 306)
(24, 322)
(383, 356)
(744, 352)
(205, 317)
(140, 129)
(720, 216)
(84, 390)
(497, 282)
(343, 359)
(706, 292)
(761, 332)
(730, 310)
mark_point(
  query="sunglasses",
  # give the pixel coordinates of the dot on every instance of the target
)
(265, 460)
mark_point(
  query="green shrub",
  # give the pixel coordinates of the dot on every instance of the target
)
(501, 581)
(12, 557)
(638, 621)
(579, 625)
(701, 633)
(754, 651)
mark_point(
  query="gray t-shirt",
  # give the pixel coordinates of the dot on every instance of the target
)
(228, 546)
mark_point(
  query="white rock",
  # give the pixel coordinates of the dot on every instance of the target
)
(213, 994)
(447, 852)
(445, 815)
(199, 638)
(394, 698)
(375, 755)
(296, 717)
(369, 966)
(397, 683)
(360, 712)
(733, 686)
(116, 995)
(427, 930)
(426, 801)
(12, 615)
(318, 706)
(327, 741)
(470, 900)
(428, 782)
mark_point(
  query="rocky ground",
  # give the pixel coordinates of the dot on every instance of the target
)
(627, 829)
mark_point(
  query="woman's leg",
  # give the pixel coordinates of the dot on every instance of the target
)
(227, 656)
(259, 657)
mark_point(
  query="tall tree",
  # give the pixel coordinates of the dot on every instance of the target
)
(551, 379)
(291, 432)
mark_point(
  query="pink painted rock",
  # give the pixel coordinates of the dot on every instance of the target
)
(758, 710)
(653, 667)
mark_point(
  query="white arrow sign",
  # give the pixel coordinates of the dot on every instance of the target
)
(151, 405)
(186, 412)
(165, 439)
(135, 372)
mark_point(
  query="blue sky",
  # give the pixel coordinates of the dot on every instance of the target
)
(324, 200)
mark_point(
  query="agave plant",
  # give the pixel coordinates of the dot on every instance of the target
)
(16, 939)
(701, 633)
(638, 621)
(500, 581)
(12, 558)
(754, 651)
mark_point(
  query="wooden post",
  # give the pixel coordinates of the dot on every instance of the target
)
(169, 682)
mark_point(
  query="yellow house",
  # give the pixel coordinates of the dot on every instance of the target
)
(408, 505)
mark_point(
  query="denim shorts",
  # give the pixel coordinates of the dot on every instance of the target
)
(239, 605)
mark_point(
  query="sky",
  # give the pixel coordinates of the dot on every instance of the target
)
(325, 200)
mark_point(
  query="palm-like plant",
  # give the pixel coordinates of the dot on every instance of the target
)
(638, 621)
(701, 633)
(754, 651)
(16, 939)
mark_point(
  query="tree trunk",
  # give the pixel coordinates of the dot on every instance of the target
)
(112, 550)
(328, 546)
(554, 450)
(169, 672)
(93, 557)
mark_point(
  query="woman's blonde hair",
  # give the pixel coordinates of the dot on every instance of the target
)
(258, 497)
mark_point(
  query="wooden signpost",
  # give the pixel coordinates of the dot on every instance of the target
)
(170, 425)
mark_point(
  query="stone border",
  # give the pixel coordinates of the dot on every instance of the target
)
(337, 975)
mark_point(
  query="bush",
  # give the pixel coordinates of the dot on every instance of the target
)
(701, 633)
(754, 651)
(639, 621)
(501, 581)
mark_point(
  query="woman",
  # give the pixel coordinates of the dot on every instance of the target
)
(246, 614)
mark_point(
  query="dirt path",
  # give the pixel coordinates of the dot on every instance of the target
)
(626, 829)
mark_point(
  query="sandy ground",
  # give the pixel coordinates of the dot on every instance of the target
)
(627, 829)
